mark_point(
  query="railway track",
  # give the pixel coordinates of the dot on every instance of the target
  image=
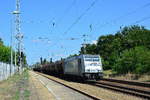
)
(75, 89)
(139, 89)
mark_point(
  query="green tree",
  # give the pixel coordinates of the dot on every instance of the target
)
(1, 42)
(107, 50)
(89, 49)
(110, 47)
(71, 55)
(135, 60)
(5, 54)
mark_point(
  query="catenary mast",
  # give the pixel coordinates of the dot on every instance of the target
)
(18, 34)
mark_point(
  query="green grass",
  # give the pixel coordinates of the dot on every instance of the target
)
(26, 94)
(23, 85)
(16, 97)
(16, 86)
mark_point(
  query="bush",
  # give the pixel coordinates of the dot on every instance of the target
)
(105, 65)
(136, 60)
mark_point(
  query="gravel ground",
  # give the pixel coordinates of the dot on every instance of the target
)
(104, 94)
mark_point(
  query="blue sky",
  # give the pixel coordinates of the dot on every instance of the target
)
(42, 38)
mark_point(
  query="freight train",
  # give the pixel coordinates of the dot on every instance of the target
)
(84, 66)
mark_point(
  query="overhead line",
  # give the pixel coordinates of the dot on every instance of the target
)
(67, 10)
(77, 20)
(127, 14)
(141, 20)
(134, 11)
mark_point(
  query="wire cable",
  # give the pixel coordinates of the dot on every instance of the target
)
(67, 10)
(80, 17)
(141, 20)
(125, 15)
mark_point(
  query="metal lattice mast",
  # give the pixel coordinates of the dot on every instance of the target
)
(19, 35)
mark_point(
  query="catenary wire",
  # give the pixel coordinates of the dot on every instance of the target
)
(80, 17)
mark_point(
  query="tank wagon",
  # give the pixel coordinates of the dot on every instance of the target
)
(82, 66)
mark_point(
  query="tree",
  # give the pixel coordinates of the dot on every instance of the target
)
(89, 48)
(107, 50)
(44, 61)
(134, 36)
(111, 47)
(135, 60)
(23, 56)
(41, 60)
(1, 42)
(73, 55)
(5, 54)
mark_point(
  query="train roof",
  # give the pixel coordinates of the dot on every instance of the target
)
(80, 56)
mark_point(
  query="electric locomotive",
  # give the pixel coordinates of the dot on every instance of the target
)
(85, 66)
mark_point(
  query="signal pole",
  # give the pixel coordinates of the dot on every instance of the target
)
(18, 34)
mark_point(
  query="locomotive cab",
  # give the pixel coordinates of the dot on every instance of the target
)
(84, 66)
(92, 67)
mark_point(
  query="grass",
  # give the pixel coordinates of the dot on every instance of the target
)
(109, 73)
(26, 94)
(16, 97)
(15, 87)
(145, 78)
(128, 76)
(7, 90)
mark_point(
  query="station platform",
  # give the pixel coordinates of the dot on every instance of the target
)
(37, 89)
(44, 89)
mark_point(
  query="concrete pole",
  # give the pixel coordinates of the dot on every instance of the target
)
(11, 48)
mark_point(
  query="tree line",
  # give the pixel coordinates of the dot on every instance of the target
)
(5, 54)
(128, 50)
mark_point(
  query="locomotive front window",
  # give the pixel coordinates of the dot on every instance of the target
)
(96, 59)
(88, 59)
(92, 59)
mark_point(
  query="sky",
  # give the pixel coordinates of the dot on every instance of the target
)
(55, 28)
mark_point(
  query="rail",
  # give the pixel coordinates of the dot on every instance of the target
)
(139, 89)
